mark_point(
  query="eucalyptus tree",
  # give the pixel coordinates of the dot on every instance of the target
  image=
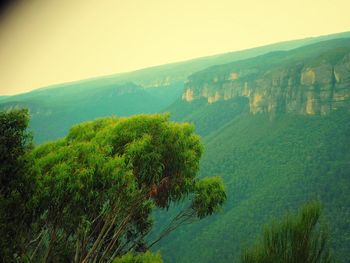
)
(97, 187)
(16, 185)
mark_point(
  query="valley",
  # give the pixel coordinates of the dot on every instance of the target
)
(275, 122)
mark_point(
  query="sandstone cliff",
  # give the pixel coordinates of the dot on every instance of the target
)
(310, 80)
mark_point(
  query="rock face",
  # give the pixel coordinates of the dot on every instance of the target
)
(290, 82)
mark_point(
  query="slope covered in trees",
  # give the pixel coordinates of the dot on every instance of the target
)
(54, 111)
(270, 166)
(270, 161)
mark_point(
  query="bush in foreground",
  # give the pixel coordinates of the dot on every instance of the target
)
(296, 238)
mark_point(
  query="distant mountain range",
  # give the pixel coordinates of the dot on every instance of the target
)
(275, 122)
(54, 109)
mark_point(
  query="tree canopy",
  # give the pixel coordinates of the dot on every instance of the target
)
(16, 184)
(95, 188)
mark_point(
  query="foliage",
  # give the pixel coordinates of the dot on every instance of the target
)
(14, 142)
(269, 166)
(146, 257)
(296, 238)
(96, 187)
(16, 185)
(209, 196)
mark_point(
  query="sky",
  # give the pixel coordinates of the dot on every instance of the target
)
(45, 42)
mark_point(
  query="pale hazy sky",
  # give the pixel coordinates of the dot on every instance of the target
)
(44, 42)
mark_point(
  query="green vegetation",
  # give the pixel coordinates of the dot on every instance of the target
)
(71, 105)
(270, 163)
(16, 184)
(296, 238)
(208, 117)
(270, 166)
(140, 258)
(92, 194)
(95, 189)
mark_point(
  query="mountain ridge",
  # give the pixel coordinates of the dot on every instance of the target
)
(55, 109)
(283, 81)
(159, 73)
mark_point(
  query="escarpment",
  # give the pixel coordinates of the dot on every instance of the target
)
(285, 82)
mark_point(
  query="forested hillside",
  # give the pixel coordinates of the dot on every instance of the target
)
(270, 166)
(271, 160)
(53, 112)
